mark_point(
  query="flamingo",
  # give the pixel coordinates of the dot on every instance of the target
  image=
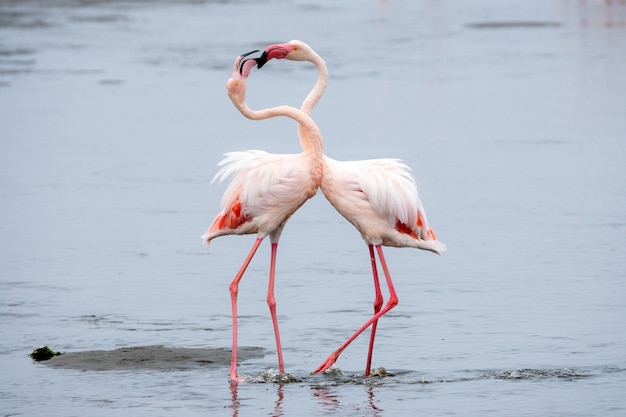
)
(378, 196)
(266, 189)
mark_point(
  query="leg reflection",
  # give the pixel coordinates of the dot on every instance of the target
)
(235, 401)
(278, 408)
(376, 412)
(327, 398)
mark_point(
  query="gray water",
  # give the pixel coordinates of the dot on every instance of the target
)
(113, 116)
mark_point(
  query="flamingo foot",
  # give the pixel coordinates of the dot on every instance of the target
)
(330, 361)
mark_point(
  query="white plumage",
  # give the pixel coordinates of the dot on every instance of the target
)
(264, 191)
(378, 196)
(268, 187)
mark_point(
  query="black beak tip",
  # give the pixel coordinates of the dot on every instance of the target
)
(261, 60)
(248, 53)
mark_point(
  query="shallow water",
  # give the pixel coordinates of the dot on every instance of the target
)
(114, 116)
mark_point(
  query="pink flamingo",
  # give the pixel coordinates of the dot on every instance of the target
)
(378, 196)
(266, 189)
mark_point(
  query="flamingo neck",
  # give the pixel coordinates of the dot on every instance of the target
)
(316, 93)
(308, 132)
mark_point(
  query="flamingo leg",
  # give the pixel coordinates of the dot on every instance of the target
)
(234, 289)
(271, 302)
(391, 303)
(378, 303)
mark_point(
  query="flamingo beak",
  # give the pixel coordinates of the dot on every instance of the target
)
(261, 60)
(270, 53)
(244, 59)
(278, 51)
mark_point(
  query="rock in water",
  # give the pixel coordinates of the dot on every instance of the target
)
(43, 353)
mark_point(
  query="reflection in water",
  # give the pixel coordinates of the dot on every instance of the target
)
(607, 14)
(372, 403)
(278, 405)
(327, 389)
(278, 408)
(235, 401)
(327, 397)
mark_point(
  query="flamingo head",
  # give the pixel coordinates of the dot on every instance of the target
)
(243, 64)
(294, 50)
(236, 85)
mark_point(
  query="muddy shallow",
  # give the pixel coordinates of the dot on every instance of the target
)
(150, 357)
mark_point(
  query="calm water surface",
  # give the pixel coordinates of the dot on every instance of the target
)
(113, 116)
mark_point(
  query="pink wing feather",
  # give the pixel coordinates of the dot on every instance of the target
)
(264, 191)
(391, 190)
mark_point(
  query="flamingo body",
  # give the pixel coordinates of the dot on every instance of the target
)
(265, 190)
(378, 196)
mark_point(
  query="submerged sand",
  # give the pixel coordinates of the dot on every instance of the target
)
(150, 357)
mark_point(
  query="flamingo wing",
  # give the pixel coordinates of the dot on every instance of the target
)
(264, 191)
(390, 188)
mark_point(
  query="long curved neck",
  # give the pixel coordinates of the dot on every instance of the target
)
(308, 132)
(316, 93)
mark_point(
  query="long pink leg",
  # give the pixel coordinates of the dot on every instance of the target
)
(271, 302)
(391, 303)
(378, 303)
(234, 289)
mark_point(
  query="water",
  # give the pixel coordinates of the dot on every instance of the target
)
(114, 115)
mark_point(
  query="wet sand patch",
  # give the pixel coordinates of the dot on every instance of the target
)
(151, 357)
